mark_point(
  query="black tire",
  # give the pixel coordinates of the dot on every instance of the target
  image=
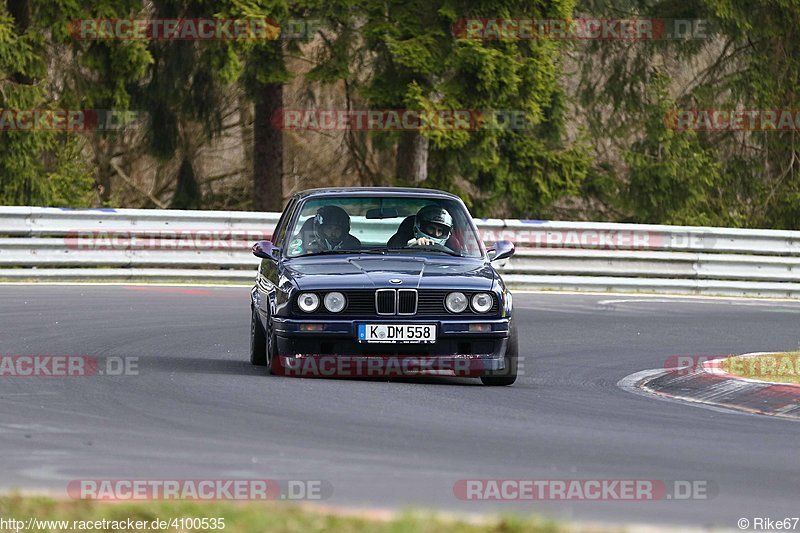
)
(508, 376)
(271, 352)
(258, 342)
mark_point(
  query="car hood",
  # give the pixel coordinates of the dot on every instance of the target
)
(360, 272)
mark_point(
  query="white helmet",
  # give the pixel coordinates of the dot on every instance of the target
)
(433, 217)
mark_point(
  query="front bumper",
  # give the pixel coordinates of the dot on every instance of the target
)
(335, 352)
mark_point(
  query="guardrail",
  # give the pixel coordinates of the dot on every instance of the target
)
(209, 246)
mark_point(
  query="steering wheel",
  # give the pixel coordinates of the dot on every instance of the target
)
(435, 246)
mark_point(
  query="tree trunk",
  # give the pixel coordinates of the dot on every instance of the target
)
(20, 11)
(268, 150)
(412, 158)
(246, 131)
(187, 193)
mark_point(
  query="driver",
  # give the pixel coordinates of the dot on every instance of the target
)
(331, 231)
(432, 225)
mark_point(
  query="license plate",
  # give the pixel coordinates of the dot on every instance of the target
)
(397, 333)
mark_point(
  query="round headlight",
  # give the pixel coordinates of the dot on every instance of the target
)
(455, 302)
(308, 302)
(334, 302)
(482, 302)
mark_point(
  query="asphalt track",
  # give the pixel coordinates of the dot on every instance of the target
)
(198, 409)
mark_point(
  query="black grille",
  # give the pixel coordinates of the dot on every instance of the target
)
(431, 302)
(384, 301)
(406, 301)
(362, 303)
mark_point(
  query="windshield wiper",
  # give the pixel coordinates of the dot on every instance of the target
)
(454, 254)
(424, 249)
(340, 252)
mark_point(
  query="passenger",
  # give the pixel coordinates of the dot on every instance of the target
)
(331, 231)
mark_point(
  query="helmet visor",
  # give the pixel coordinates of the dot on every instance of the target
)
(438, 231)
(333, 232)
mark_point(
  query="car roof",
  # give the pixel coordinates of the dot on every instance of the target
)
(410, 192)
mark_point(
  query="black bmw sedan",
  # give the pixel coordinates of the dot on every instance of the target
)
(381, 282)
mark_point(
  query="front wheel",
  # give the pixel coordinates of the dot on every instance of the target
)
(508, 375)
(273, 359)
(258, 341)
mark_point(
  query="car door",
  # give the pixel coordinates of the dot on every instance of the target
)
(269, 273)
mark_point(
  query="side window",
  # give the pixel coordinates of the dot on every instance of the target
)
(280, 230)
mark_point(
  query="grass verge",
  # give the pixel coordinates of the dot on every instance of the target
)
(778, 367)
(249, 517)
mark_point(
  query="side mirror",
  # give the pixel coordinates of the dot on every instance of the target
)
(266, 250)
(501, 250)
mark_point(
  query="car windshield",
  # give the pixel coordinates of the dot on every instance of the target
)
(388, 225)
